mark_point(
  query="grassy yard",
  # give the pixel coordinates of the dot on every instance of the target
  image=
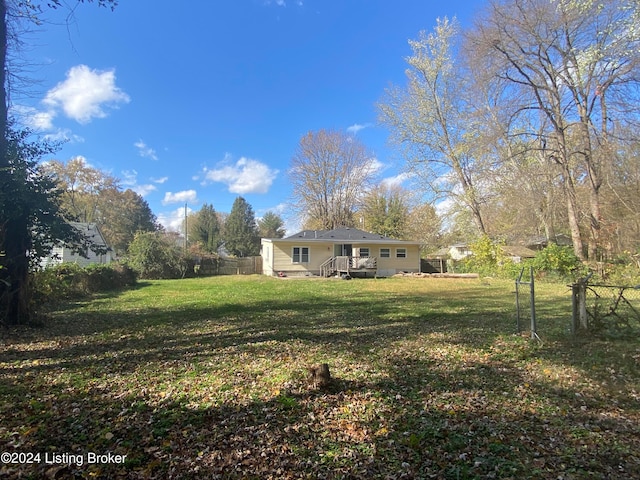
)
(206, 378)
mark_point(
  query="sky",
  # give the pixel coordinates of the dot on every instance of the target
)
(204, 101)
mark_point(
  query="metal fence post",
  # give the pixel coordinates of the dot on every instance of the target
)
(518, 303)
(534, 332)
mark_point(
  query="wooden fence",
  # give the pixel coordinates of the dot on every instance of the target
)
(230, 266)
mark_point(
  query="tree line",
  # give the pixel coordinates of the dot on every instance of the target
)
(237, 233)
(524, 124)
(528, 120)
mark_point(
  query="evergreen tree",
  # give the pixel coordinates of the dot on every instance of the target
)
(271, 226)
(204, 229)
(241, 232)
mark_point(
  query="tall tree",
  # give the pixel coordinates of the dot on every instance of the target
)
(241, 232)
(32, 220)
(16, 235)
(125, 214)
(85, 188)
(573, 64)
(329, 172)
(424, 225)
(271, 225)
(430, 119)
(204, 229)
(94, 196)
(385, 211)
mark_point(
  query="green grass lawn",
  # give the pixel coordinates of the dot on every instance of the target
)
(206, 378)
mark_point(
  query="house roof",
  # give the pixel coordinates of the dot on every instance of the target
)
(342, 235)
(517, 251)
(541, 240)
(91, 232)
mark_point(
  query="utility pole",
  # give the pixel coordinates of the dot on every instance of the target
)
(186, 229)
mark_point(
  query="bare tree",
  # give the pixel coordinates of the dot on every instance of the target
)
(329, 172)
(564, 60)
(430, 119)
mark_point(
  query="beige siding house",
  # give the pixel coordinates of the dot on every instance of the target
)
(343, 251)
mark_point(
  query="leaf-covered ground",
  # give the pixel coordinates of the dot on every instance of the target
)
(206, 378)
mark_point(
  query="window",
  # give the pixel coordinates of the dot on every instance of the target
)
(385, 253)
(401, 253)
(364, 252)
(300, 255)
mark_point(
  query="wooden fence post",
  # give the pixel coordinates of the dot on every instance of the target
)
(579, 317)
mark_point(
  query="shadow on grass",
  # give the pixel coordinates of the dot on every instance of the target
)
(170, 386)
(123, 341)
(423, 421)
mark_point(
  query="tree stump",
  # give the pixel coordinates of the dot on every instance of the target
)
(319, 375)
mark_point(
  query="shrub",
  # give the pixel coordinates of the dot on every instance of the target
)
(69, 280)
(560, 261)
(100, 277)
(154, 256)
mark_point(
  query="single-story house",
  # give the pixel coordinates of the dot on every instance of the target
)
(459, 251)
(66, 254)
(539, 242)
(343, 251)
(517, 253)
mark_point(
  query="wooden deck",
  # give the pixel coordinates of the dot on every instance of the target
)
(343, 265)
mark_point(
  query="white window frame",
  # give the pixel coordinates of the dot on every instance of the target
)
(403, 254)
(388, 252)
(300, 255)
(368, 251)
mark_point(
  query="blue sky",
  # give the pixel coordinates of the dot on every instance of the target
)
(206, 100)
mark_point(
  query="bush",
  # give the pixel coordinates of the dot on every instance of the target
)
(559, 261)
(154, 256)
(554, 261)
(623, 270)
(69, 280)
(100, 277)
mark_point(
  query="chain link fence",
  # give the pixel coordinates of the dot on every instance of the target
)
(612, 310)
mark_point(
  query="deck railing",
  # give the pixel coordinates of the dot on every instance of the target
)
(345, 264)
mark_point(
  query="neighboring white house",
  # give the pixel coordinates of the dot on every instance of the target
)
(459, 251)
(336, 252)
(65, 254)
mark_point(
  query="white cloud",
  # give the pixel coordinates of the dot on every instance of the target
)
(173, 221)
(33, 118)
(245, 176)
(64, 135)
(396, 180)
(186, 196)
(144, 190)
(85, 93)
(375, 166)
(160, 180)
(130, 179)
(145, 151)
(356, 127)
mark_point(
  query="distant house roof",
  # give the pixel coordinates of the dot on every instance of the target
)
(91, 232)
(442, 253)
(542, 241)
(342, 235)
(517, 251)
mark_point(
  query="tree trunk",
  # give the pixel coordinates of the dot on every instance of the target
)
(14, 233)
